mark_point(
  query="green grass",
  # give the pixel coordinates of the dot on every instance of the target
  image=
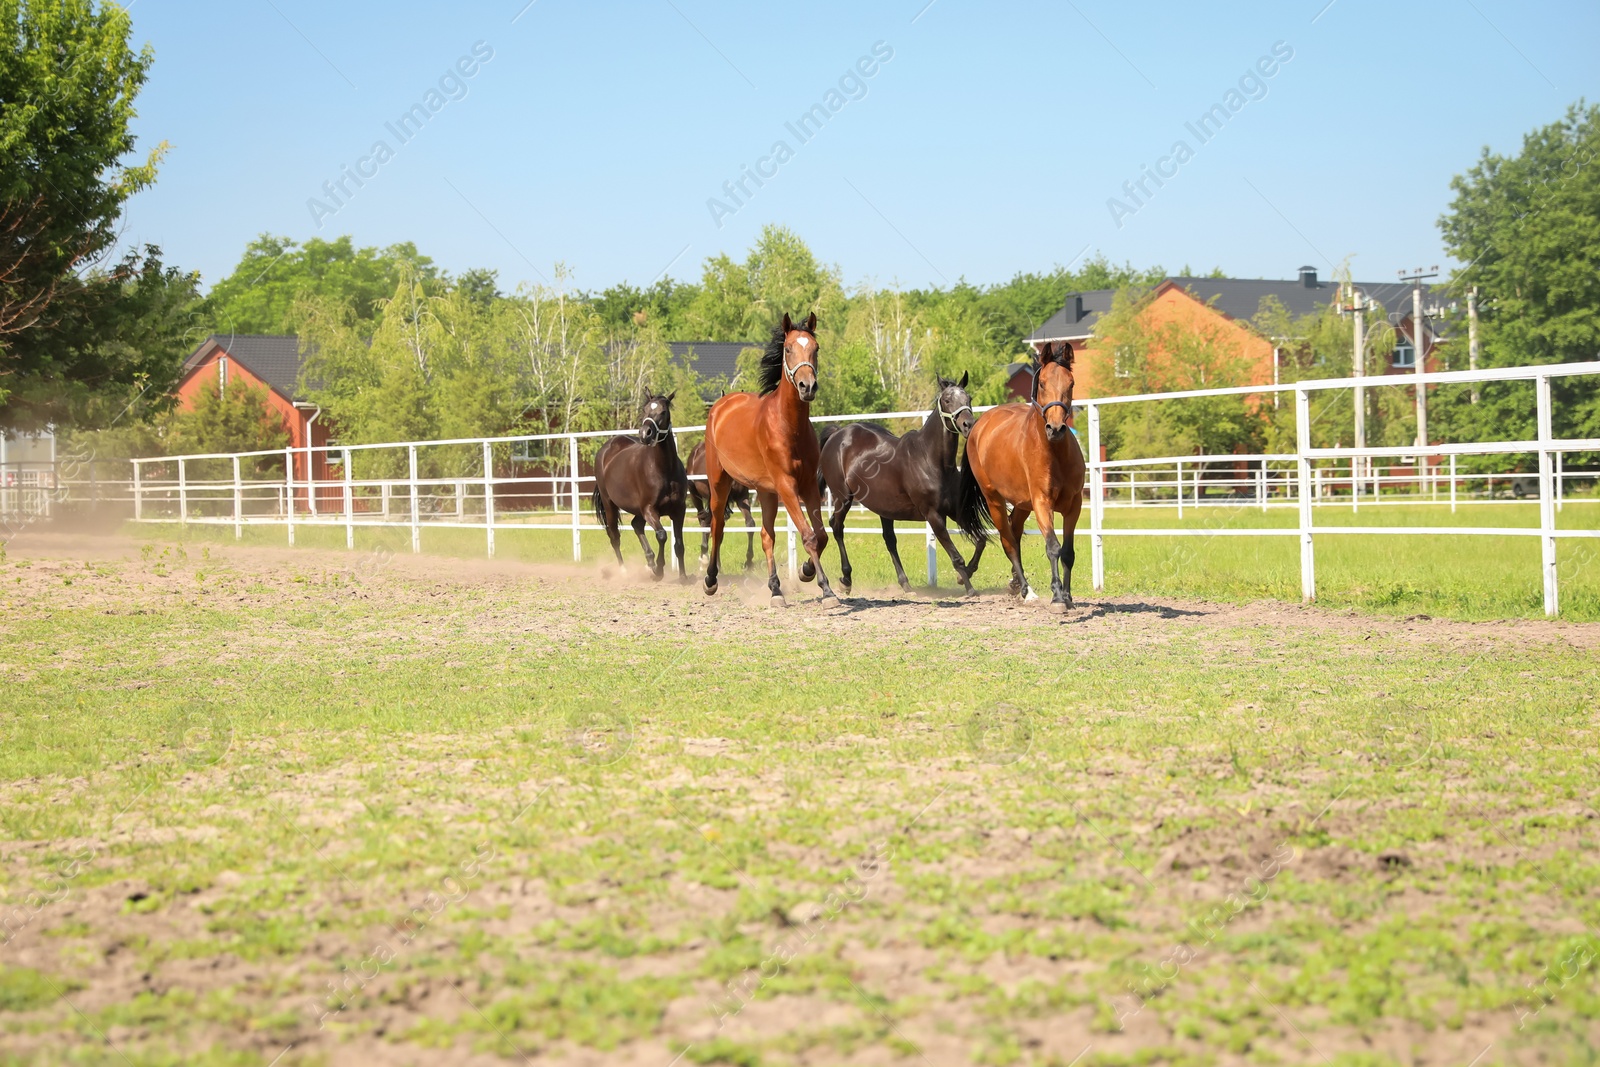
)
(555, 818)
(1458, 576)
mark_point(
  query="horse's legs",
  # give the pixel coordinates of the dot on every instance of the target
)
(941, 533)
(721, 486)
(611, 515)
(702, 517)
(654, 518)
(750, 536)
(638, 531)
(811, 531)
(1052, 551)
(677, 543)
(892, 542)
(1010, 531)
(841, 508)
(769, 543)
(1069, 552)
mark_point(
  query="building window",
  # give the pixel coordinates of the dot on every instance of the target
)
(1405, 355)
(1122, 363)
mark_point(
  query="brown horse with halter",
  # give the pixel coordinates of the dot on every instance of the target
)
(644, 475)
(701, 491)
(1026, 455)
(765, 441)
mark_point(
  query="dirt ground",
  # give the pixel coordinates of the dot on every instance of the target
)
(877, 986)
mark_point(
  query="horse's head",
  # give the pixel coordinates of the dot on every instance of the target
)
(955, 406)
(800, 355)
(655, 419)
(1052, 388)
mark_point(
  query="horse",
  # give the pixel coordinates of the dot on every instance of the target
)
(643, 475)
(740, 498)
(1026, 455)
(765, 441)
(912, 479)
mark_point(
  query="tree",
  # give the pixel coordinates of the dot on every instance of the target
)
(260, 295)
(68, 79)
(235, 419)
(1528, 229)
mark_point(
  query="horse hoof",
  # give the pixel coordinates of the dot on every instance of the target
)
(1031, 595)
(845, 588)
(711, 589)
(808, 571)
(778, 601)
(1059, 606)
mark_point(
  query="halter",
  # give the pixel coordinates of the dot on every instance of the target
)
(790, 372)
(657, 434)
(1044, 409)
(949, 417)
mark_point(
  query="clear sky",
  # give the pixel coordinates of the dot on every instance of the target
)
(988, 142)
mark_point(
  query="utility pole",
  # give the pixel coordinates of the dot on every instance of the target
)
(1358, 305)
(1420, 361)
(1472, 335)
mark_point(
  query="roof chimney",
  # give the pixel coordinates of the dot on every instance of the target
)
(1308, 277)
(1077, 308)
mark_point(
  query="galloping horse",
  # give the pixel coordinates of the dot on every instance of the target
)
(911, 478)
(1026, 455)
(644, 475)
(766, 441)
(740, 498)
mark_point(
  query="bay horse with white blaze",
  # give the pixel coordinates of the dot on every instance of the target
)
(1026, 455)
(766, 441)
(643, 475)
(911, 479)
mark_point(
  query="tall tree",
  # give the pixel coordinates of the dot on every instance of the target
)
(259, 295)
(1528, 228)
(68, 80)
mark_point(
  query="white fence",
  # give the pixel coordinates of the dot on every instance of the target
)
(1306, 479)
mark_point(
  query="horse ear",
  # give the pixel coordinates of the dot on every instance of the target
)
(670, 395)
(963, 382)
(811, 323)
(1066, 355)
(787, 325)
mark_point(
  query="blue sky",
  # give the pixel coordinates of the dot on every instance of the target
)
(990, 142)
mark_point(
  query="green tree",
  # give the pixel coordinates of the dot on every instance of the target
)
(1528, 228)
(236, 419)
(68, 80)
(259, 296)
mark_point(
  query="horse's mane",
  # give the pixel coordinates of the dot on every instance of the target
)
(772, 358)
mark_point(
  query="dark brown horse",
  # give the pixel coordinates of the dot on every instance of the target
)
(766, 441)
(740, 499)
(911, 479)
(643, 475)
(1026, 455)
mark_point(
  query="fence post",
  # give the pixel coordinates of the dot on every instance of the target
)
(238, 503)
(1547, 499)
(488, 494)
(933, 560)
(138, 491)
(416, 518)
(349, 505)
(1302, 433)
(1179, 480)
(1097, 542)
(1560, 480)
(1261, 485)
(461, 492)
(1452, 483)
(183, 494)
(288, 492)
(577, 535)
(794, 563)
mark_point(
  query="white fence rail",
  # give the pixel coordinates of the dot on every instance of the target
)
(1307, 479)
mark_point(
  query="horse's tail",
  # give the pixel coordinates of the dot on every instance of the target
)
(972, 510)
(598, 503)
(827, 431)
